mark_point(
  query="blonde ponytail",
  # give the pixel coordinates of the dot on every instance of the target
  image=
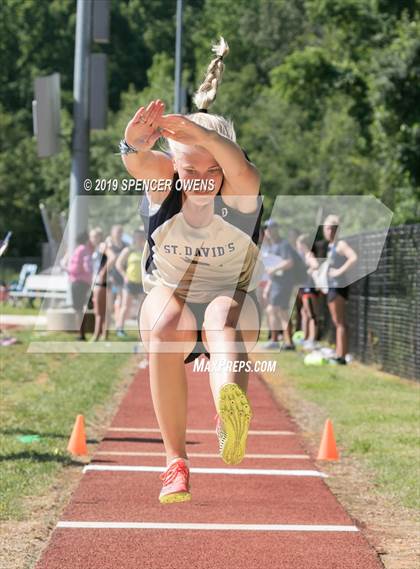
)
(204, 97)
(206, 93)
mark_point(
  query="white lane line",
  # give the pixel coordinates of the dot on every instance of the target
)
(195, 431)
(244, 471)
(214, 527)
(203, 455)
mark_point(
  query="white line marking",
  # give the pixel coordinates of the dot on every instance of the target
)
(245, 471)
(203, 455)
(215, 527)
(195, 431)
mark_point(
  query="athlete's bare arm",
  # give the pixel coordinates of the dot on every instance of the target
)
(242, 179)
(242, 176)
(284, 265)
(311, 261)
(147, 164)
(344, 249)
(267, 289)
(121, 262)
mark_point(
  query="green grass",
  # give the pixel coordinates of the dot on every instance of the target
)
(376, 418)
(21, 308)
(41, 394)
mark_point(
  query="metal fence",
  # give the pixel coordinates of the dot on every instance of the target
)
(383, 313)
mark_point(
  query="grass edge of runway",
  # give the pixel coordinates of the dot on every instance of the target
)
(22, 308)
(41, 395)
(375, 417)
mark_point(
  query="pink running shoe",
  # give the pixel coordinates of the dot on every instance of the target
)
(176, 483)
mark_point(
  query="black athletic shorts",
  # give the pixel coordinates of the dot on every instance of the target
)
(308, 291)
(333, 292)
(199, 310)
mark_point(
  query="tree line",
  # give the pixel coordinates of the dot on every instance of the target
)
(323, 93)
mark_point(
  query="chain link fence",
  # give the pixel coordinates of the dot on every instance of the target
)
(383, 314)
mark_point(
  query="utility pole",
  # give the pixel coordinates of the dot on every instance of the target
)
(178, 58)
(92, 24)
(78, 214)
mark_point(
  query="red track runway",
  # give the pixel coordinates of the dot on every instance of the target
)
(280, 514)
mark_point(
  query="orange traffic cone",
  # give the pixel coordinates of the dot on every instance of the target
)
(77, 443)
(328, 449)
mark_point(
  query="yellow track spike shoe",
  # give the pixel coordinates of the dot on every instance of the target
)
(234, 417)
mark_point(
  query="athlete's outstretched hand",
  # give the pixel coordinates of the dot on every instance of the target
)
(181, 129)
(143, 129)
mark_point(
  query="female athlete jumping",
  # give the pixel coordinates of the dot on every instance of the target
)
(200, 267)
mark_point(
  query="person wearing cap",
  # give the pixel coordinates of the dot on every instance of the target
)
(279, 287)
